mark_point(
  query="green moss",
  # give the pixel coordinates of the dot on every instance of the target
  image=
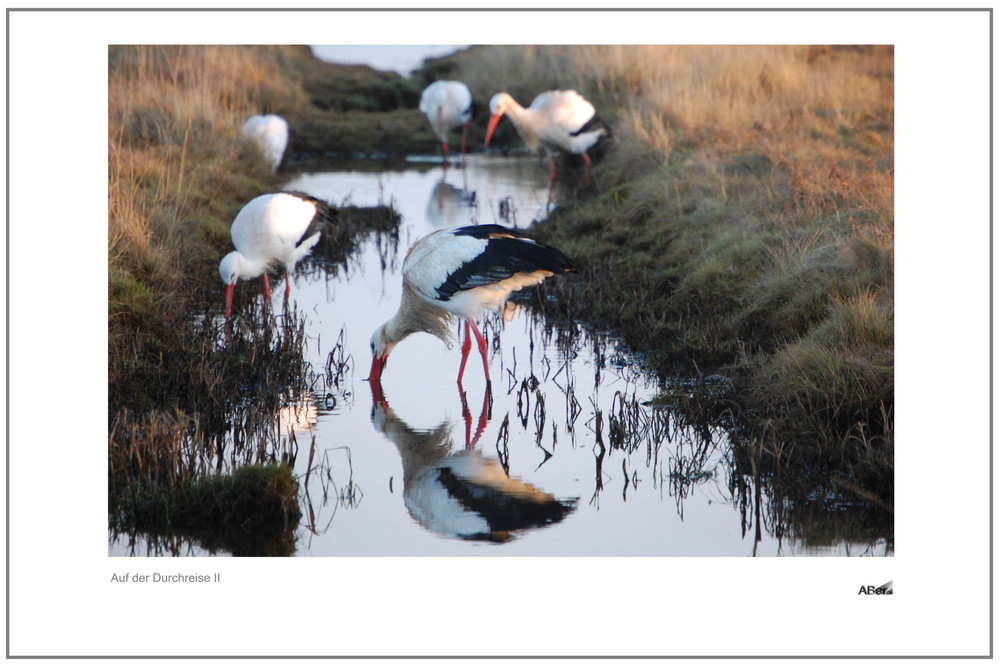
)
(252, 512)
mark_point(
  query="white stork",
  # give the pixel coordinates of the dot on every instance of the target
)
(447, 105)
(270, 132)
(462, 272)
(272, 229)
(556, 121)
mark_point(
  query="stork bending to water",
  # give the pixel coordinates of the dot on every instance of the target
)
(462, 272)
(271, 229)
(556, 121)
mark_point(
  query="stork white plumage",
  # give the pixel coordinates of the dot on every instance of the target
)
(270, 132)
(556, 121)
(462, 272)
(447, 105)
(271, 229)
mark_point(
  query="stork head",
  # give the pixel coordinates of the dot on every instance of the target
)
(500, 103)
(498, 106)
(229, 269)
(381, 346)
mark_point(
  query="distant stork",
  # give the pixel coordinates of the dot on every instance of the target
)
(270, 132)
(556, 121)
(447, 105)
(271, 229)
(462, 272)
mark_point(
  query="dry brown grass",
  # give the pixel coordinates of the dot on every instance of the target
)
(178, 172)
(746, 201)
(175, 148)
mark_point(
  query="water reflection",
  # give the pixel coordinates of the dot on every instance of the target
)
(451, 206)
(463, 493)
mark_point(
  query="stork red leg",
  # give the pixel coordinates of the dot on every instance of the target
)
(552, 180)
(586, 163)
(267, 289)
(288, 286)
(482, 347)
(444, 144)
(466, 345)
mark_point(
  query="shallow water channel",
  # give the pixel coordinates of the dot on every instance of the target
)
(578, 462)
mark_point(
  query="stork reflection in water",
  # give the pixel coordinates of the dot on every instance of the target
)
(463, 494)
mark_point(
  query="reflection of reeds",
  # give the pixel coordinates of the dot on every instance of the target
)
(628, 422)
(337, 250)
(682, 440)
(336, 491)
(163, 480)
(503, 450)
(599, 452)
(172, 472)
(337, 363)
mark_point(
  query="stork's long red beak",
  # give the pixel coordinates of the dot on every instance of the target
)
(490, 128)
(229, 298)
(378, 365)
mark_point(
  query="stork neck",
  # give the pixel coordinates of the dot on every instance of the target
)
(525, 121)
(517, 113)
(417, 315)
(249, 268)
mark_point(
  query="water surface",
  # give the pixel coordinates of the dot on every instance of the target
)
(575, 460)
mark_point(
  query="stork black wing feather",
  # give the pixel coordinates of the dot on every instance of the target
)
(484, 231)
(325, 216)
(593, 124)
(503, 257)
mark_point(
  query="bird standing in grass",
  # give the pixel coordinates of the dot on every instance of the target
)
(556, 121)
(272, 229)
(462, 272)
(270, 132)
(447, 105)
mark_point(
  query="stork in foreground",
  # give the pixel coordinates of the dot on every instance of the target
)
(270, 133)
(462, 272)
(447, 105)
(556, 121)
(272, 229)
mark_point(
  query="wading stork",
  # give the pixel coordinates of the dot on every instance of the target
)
(462, 272)
(447, 105)
(556, 121)
(272, 229)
